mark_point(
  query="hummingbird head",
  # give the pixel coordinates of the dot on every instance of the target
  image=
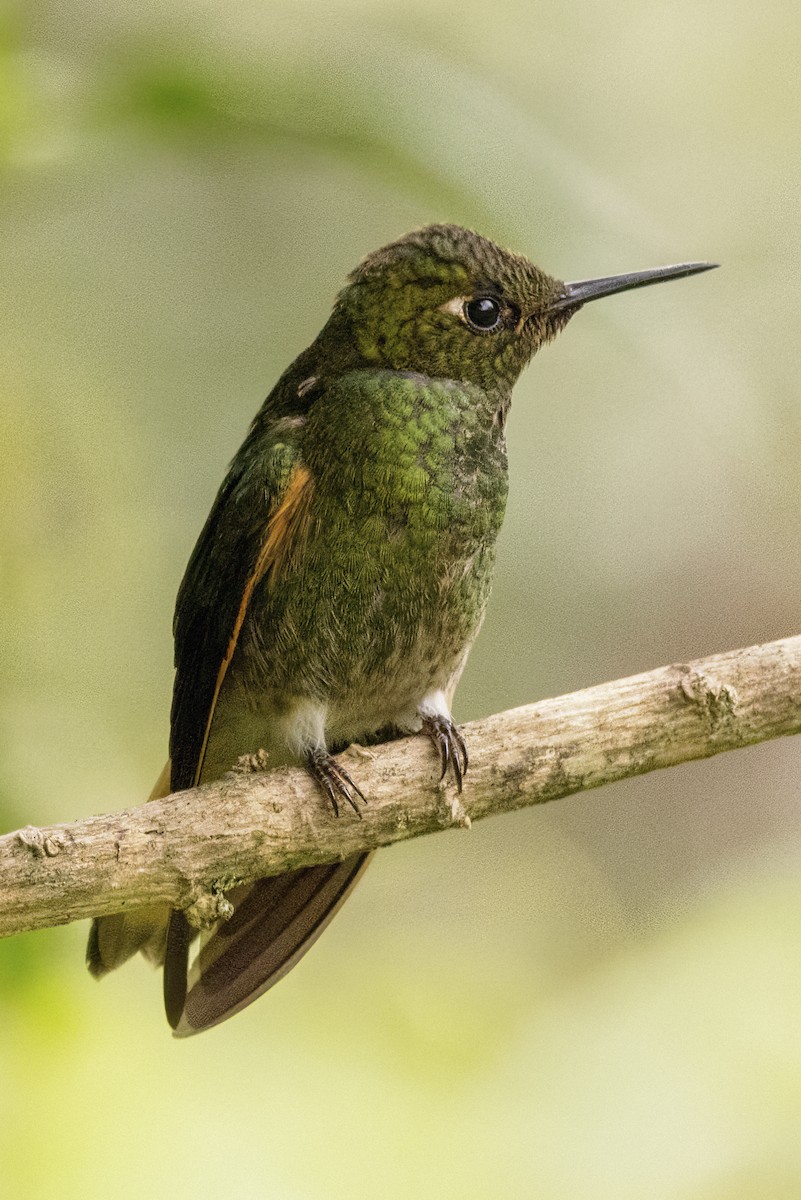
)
(448, 303)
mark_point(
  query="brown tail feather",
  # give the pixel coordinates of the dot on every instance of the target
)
(275, 922)
(176, 961)
(115, 939)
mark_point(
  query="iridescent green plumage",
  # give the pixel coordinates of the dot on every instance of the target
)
(345, 567)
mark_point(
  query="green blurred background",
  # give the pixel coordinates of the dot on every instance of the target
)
(601, 998)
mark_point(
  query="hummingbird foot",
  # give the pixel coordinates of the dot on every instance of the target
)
(334, 780)
(450, 745)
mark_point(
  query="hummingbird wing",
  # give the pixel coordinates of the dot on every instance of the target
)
(257, 516)
(256, 523)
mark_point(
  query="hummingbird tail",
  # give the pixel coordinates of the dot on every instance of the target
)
(275, 921)
(115, 939)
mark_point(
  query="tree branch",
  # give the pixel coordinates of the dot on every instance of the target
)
(187, 849)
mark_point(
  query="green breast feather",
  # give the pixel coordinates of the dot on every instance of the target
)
(409, 492)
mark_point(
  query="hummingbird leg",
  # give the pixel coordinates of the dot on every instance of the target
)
(449, 743)
(334, 780)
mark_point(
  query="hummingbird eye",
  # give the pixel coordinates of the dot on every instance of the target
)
(483, 313)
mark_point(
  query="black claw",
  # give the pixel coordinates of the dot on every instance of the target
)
(460, 742)
(450, 745)
(457, 771)
(334, 781)
(331, 794)
(445, 754)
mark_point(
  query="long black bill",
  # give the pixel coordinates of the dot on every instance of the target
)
(594, 289)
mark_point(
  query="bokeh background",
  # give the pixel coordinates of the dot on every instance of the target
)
(600, 998)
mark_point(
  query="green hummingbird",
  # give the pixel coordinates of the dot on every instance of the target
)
(343, 573)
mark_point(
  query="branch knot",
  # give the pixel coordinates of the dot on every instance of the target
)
(717, 701)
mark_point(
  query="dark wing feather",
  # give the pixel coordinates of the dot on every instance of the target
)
(211, 595)
(223, 560)
(208, 607)
(275, 920)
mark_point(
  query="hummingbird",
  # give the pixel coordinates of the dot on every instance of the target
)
(343, 573)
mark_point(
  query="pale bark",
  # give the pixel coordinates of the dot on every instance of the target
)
(185, 850)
